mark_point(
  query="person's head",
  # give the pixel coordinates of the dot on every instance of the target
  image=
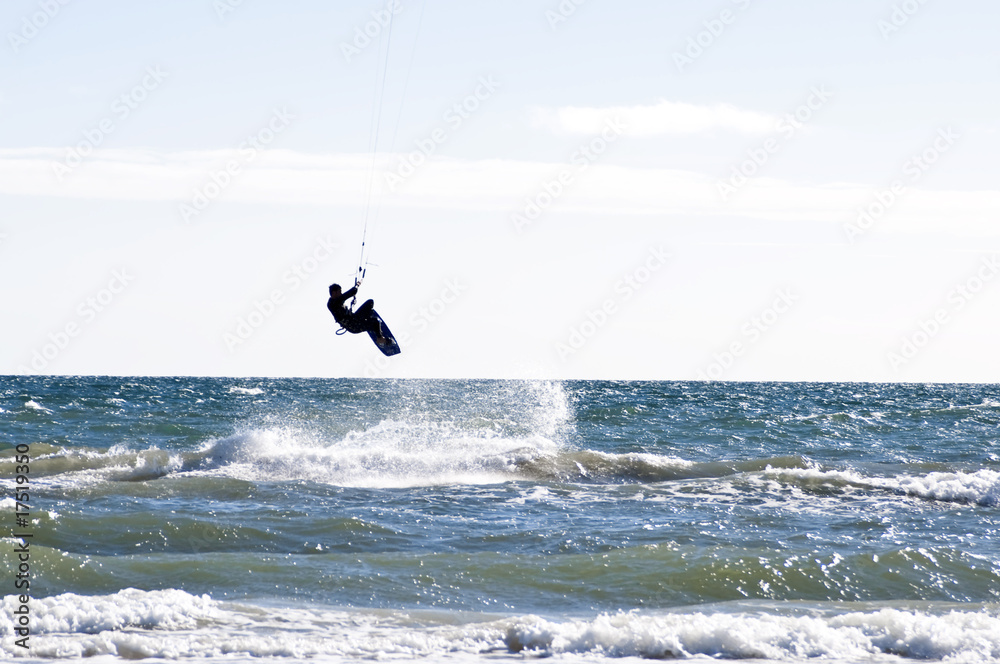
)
(335, 290)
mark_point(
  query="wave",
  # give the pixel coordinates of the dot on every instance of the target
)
(59, 466)
(175, 624)
(424, 439)
(390, 454)
(248, 391)
(981, 487)
(421, 437)
(394, 454)
(402, 454)
(855, 636)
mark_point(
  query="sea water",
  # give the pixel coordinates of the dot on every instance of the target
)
(343, 520)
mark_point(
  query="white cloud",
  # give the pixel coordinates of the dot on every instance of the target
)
(293, 178)
(661, 119)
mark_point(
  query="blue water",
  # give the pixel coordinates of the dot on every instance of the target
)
(337, 520)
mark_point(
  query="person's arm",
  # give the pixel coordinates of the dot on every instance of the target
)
(338, 302)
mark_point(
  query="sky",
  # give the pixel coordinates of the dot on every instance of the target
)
(575, 189)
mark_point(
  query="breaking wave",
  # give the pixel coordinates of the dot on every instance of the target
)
(174, 624)
(981, 487)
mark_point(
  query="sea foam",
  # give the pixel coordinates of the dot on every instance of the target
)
(173, 624)
(981, 487)
(487, 440)
(856, 636)
(249, 391)
(389, 454)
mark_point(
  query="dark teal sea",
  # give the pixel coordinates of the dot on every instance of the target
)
(459, 520)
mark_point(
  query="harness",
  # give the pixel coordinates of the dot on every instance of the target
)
(350, 312)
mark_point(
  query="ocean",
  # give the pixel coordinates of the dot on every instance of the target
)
(339, 520)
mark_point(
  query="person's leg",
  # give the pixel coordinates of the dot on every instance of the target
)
(374, 325)
(375, 328)
(366, 314)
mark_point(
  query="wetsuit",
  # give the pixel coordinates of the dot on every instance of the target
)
(356, 322)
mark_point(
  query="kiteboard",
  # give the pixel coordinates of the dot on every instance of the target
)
(390, 346)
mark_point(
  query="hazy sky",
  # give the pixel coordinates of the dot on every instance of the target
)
(737, 190)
